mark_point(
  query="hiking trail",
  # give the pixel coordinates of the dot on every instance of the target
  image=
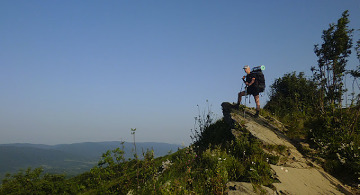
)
(296, 173)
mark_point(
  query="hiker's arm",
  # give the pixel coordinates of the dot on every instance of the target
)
(252, 81)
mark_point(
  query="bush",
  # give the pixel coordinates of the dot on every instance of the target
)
(34, 182)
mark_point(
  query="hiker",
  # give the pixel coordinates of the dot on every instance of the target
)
(251, 88)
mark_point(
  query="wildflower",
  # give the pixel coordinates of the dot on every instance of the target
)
(219, 159)
(343, 146)
(253, 162)
(342, 160)
(166, 165)
(251, 169)
(267, 159)
(168, 183)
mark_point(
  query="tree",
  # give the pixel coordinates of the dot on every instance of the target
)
(334, 131)
(291, 94)
(333, 55)
(356, 73)
(33, 181)
(292, 100)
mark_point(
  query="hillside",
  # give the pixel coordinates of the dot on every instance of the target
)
(14, 158)
(238, 154)
(69, 159)
(296, 173)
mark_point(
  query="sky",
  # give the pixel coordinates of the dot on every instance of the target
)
(88, 71)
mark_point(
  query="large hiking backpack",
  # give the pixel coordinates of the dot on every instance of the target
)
(259, 79)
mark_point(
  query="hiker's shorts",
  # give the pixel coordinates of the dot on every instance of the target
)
(253, 91)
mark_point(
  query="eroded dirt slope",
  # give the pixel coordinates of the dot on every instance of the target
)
(297, 174)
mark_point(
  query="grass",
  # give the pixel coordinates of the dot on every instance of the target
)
(215, 158)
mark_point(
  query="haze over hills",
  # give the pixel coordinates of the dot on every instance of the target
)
(70, 159)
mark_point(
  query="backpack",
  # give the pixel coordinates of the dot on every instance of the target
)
(259, 79)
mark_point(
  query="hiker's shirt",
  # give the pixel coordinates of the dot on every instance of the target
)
(252, 89)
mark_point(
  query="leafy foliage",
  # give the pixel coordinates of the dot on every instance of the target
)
(315, 107)
(291, 93)
(292, 100)
(33, 182)
(335, 130)
(202, 168)
(333, 55)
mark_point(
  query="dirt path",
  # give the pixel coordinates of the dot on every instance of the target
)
(297, 175)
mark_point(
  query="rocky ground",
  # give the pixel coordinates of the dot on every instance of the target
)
(296, 173)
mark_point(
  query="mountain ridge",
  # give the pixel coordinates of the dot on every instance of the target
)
(69, 159)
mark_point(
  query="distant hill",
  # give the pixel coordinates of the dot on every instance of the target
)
(70, 159)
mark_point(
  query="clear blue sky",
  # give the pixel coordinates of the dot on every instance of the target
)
(77, 71)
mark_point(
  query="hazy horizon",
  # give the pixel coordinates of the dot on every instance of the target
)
(130, 142)
(89, 71)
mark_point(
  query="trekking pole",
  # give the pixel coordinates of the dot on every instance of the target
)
(242, 86)
(245, 95)
(245, 98)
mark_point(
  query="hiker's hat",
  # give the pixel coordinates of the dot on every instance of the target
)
(246, 67)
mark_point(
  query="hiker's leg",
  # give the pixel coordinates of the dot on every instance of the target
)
(240, 96)
(257, 101)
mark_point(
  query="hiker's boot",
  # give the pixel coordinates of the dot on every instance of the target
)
(236, 105)
(257, 114)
